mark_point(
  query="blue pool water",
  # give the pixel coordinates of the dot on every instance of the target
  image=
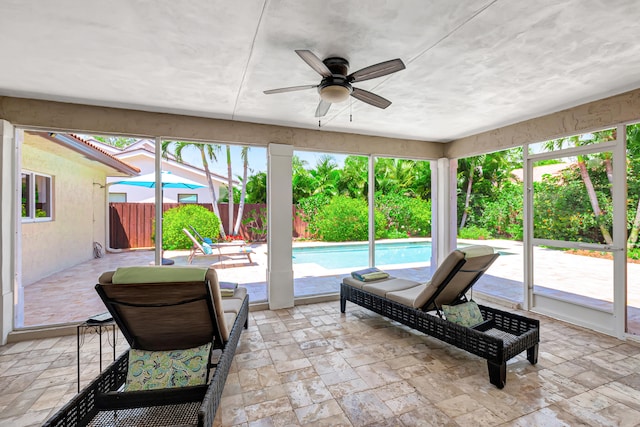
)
(352, 256)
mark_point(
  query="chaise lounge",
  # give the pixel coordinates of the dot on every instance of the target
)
(205, 249)
(498, 335)
(183, 336)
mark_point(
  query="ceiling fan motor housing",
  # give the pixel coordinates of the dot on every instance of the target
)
(335, 88)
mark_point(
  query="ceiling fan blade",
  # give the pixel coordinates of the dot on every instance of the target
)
(314, 62)
(323, 108)
(370, 98)
(377, 70)
(289, 89)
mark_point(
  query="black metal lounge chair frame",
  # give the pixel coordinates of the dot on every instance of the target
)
(515, 333)
(102, 393)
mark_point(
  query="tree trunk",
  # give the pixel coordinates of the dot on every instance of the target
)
(467, 199)
(593, 198)
(230, 187)
(243, 193)
(609, 168)
(214, 199)
(633, 235)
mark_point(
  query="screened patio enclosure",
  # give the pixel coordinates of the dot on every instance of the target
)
(280, 151)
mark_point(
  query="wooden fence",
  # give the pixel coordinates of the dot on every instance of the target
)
(131, 224)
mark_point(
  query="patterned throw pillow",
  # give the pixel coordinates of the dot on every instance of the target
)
(208, 250)
(465, 314)
(150, 370)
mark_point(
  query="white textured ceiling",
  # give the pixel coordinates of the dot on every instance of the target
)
(472, 65)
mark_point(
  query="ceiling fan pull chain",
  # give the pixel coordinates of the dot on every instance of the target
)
(350, 111)
(319, 124)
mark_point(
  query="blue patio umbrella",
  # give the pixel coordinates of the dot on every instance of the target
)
(168, 180)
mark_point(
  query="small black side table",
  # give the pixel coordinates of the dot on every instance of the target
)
(99, 328)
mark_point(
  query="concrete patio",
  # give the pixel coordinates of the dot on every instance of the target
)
(586, 279)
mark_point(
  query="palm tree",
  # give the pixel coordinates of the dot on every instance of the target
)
(207, 152)
(257, 188)
(353, 180)
(633, 148)
(230, 189)
(326, 176)
(302, 181)
(244, 154)
(422, 181)
(468, 167)
(586, 179)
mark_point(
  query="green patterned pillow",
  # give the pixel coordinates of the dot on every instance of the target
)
(149, 370)
(465, 314)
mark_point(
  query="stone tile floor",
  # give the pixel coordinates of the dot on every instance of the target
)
(565, 276)
(312, 365)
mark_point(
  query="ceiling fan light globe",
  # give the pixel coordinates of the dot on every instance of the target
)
(335, 93)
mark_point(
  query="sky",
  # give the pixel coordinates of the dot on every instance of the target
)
(257, 160)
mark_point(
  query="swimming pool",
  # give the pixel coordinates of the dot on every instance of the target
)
(354, 256)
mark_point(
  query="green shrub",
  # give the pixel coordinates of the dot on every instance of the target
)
(406, 216)
(474, 233)
(502, 214)
(308, 209)
(563, 212)
(174, 220)
(345, 219)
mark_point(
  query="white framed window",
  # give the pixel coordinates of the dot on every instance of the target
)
(187, 198)
(37, 197)
(117, 197)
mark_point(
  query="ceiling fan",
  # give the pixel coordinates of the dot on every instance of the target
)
(336, 83)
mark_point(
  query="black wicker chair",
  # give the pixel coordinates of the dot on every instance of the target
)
(161, 316)
(500, 337)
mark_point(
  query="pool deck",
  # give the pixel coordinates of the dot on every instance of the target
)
(69, 296)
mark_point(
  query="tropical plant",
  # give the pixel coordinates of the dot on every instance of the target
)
(326, 176)
(207, 153)
(353, 180)
(257, 188)
(256, 222)
(302, 181)
(581, 140)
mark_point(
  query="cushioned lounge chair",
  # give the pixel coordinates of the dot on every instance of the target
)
(164, 313)
(215, 249)
(500, 337)
(207, 240)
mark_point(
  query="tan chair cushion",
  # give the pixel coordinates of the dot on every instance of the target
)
(230, 319)
(217, 303)
(351, 281)
(408, 296)
(157, 274)
(476, 251)
(383, 287)
(231, 305)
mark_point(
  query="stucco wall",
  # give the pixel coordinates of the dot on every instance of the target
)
(78, 216)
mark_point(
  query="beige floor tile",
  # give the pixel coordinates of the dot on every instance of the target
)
(311, 365)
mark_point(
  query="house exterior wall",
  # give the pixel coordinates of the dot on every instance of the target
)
(78, 216)
(147, 195)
